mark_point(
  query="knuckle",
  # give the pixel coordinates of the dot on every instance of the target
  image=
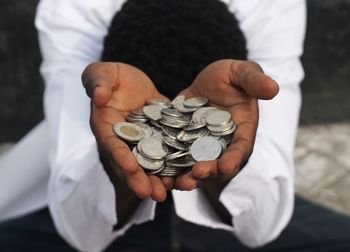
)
(255, 66)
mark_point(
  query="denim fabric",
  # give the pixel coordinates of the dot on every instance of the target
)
(312, 229)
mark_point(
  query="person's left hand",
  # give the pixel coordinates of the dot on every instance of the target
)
(234, 86)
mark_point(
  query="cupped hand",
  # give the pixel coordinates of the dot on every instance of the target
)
(116, 89)
(234, 86)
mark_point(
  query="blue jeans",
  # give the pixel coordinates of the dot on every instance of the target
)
(312, 228)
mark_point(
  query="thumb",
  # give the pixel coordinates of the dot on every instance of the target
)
(97, 78)
(254, 82)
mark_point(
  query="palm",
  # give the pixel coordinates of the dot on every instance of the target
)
(117, 90)
(235, 87)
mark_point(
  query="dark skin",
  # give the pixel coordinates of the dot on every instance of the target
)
(116, 89)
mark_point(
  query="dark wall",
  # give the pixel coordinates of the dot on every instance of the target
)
(326, 88)
(21, 85)
(326, 61)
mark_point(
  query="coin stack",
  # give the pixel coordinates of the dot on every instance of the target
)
(168, 138)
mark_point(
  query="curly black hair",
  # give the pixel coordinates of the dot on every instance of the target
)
(173, 40)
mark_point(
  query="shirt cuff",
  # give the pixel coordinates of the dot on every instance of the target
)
(259, 199)
(82, 202)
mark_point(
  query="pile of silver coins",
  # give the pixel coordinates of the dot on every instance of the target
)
(168, 138)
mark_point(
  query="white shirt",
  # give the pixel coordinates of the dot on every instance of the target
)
(81, 198)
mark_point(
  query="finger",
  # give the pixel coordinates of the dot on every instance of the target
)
(116, 149)
(99, 80)
(168, 183)
(250, 77)
(101, 94)
(156, 95)
(186, 182)
(119, 152)
(140, 184)
(238, 151)
(202, 170)
(158, 189)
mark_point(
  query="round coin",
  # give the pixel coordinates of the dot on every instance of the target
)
(196, 102)
(146, 162)
(176, 155)
(224, 133)
(147, 129)
(199, 115)
(194, 126)
(220, 128)
(175, 144)
(154, 172)
(129, 131)
(153, 148)
(183, 162)
(181, 107)
(178, 100)
(171, 112)
(164, 103)
(177, 125)
(138, 112)
(217, 117)
(153, 112)
(190, 136)
(205, 149)
(134, 119)
(171, 132)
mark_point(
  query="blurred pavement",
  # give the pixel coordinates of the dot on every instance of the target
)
(322, 159)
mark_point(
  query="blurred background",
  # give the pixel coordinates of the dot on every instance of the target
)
(323, 145)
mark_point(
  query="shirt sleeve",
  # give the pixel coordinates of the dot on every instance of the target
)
(261, 197)
(81, 197)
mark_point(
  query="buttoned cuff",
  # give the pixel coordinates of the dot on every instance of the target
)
(82, 202)
(259, 199)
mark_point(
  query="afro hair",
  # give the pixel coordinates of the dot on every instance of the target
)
(173, 40)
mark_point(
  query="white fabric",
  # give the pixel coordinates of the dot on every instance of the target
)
(80, 196)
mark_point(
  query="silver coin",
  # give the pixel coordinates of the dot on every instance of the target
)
(134, 119)
(184, 162)
(189, 136)
(156, 124)
(183, 109)
(205, 149)
(175, 144)
(177, 101)
(175, 120)
(153, 148)
(194, 126)
(195, 102)
(137, 112)
(146, 162)
(227, 139)
(171, 112)
(157, 132)
(153, 112)
(220, 128)
(176, 155)
(137, 116)
(154, 172)
(217, 117)
(199, 115)
(177, 125)
(224, 133)
(170, 172)
(223, 143)
(171, 132)
(129, 131)
(164, 103)
(147, 129)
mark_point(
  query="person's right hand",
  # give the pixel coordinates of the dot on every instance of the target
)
(116, 89)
